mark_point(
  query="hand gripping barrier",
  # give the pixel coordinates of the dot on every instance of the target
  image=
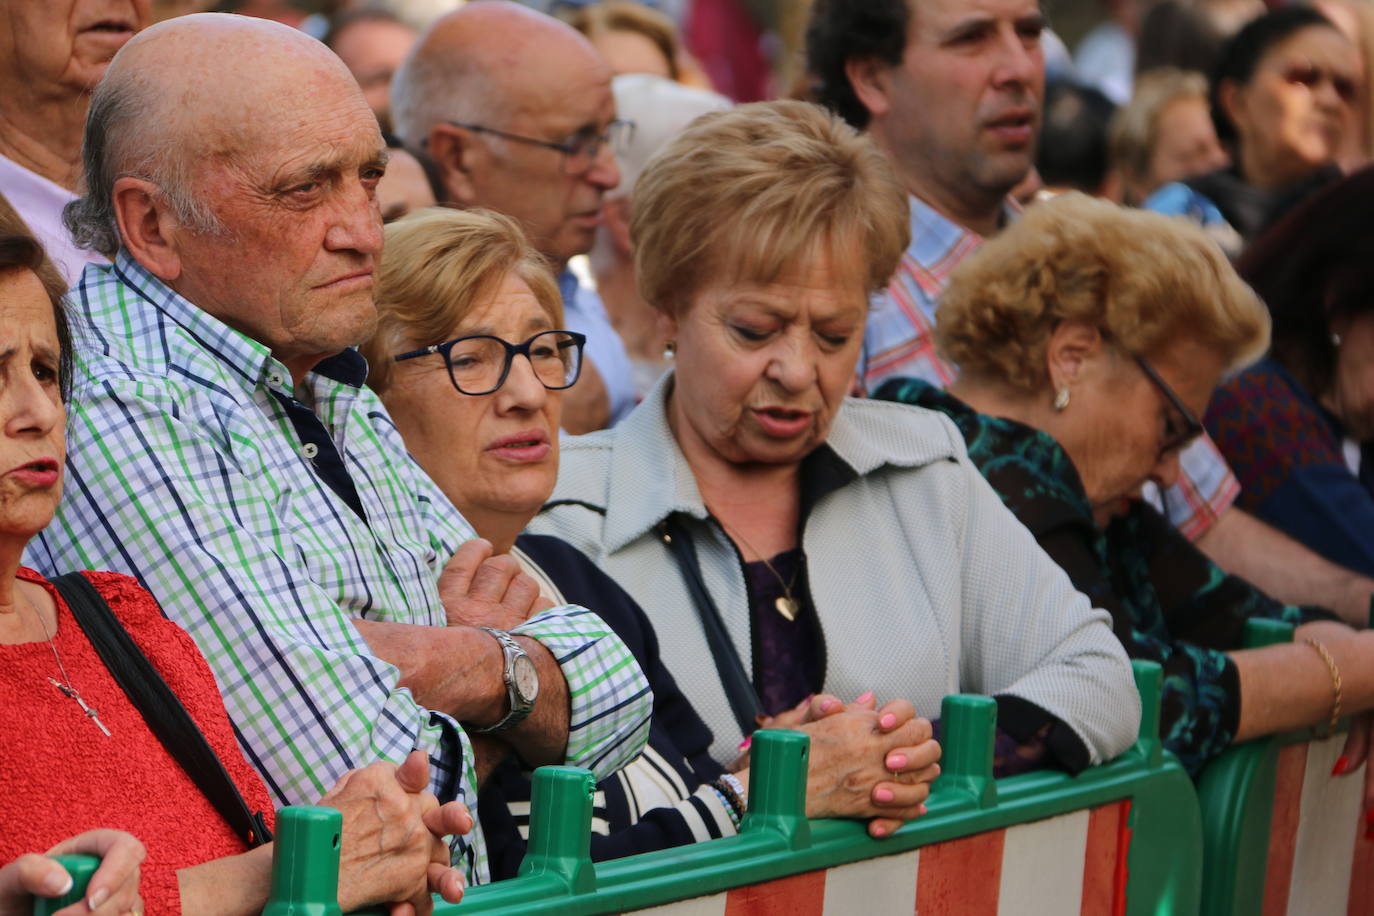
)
(1280, 833)
(1122, 838)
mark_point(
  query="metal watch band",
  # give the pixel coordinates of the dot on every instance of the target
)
(520, 705)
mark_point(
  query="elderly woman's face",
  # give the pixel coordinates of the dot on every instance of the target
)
(1295, 111)
(492, 454)
(34, 447)
(761, 370)
(1121, 428)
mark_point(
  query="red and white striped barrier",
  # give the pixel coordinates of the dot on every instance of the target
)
(1320, 863)
(1071, 864)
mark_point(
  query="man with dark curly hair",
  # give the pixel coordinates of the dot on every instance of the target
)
(951, 90)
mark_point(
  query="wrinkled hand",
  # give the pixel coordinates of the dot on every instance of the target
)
(481, 590)
(392, 850)
(113, 889)
(871, 763)
(1356, 752)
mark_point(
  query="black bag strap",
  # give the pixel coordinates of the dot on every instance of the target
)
(159, 706)
(739, 690)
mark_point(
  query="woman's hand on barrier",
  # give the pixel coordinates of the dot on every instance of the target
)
(1356, 752)
(112, 891)
(393, 849)
(850, 773)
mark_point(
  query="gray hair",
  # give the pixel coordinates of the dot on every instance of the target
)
(117, 144)
(433, 86)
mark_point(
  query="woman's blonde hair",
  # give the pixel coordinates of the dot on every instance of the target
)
(1134, 130)
(1145, 280)
(437, 265)
(749, 192)
(597, 19)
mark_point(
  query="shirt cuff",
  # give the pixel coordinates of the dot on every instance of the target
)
(609, 698)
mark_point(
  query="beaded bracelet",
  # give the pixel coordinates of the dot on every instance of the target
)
(1335, 685)
(734, 793)
(727, 804)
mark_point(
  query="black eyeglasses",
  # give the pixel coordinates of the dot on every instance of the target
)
(1175, 436)
(479, 364)
(579, 151)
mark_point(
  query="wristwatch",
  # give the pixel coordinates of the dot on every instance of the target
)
(522, 681)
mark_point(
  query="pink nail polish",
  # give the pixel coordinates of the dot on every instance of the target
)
(744, 745)
(883, 795)
(827, 705)
(896, 762)
(865, 698)
(888, 721)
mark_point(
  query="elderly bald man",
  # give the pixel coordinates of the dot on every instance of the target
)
(51, 56)
(223, 450)
(514, 109)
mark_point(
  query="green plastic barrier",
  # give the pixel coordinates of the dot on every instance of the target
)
(777, 840)
(81, 868)
(1236, 794)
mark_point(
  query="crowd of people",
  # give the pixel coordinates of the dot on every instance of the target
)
(399, 412)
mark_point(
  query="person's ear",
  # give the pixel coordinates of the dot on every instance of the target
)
(1232, 102)
(667, 325)
(455, 151)
(1071, 347)
(870, 80)
(616, 213)
(147, 226)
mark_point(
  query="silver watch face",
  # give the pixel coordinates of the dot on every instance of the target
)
(526, 678)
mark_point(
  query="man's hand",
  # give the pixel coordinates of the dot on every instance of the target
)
(392, 849)
(481, 590)
(113, 889)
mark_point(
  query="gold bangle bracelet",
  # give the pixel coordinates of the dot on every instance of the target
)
(1335, 685)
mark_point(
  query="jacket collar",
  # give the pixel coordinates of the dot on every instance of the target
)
(651, 479)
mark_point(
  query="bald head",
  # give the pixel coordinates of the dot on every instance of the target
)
(239, 162)
(485, 59)
(512, 107)
(217, 81)
(208, 85)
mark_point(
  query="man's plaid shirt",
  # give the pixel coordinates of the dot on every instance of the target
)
(185, 471)
(900, 341)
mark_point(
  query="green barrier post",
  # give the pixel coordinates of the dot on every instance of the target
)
(560, 829)
(81, 868)
(968, 732)
(1236, 795)
(1165, 869)
(777, 786)
(305, 862)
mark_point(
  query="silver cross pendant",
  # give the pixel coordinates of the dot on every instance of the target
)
(72, 692)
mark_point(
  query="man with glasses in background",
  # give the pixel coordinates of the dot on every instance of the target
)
(515, 111)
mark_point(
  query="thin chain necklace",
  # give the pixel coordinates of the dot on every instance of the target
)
(785, 605)
(66, 683)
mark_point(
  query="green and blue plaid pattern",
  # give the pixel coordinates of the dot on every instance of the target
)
(185, 471)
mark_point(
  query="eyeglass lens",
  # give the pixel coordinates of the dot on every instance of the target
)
(585, 148)
(479, 365)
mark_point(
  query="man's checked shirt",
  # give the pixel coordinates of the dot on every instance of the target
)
(900, 341)
(264, 529)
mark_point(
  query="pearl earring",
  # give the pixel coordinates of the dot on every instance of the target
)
(669, 349)
(1335, 340)
(1061, 398)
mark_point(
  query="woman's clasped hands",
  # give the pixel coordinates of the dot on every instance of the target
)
(866, 761)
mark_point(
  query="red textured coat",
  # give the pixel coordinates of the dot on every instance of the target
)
(60, 775)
